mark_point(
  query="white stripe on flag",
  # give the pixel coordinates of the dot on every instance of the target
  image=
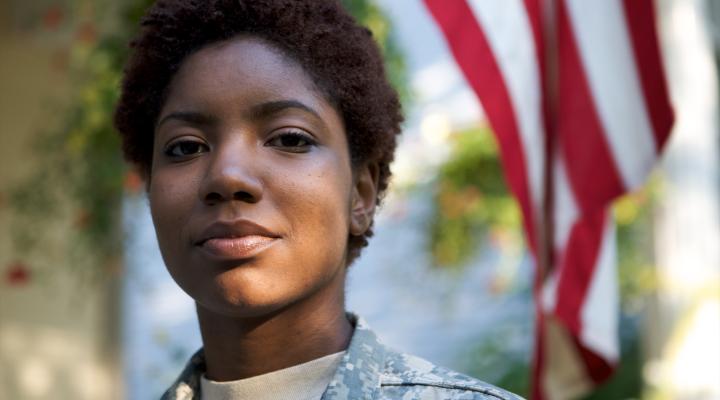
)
(549, 291)
(604, 44)
(565, 209)
(508, 32)
(600, 310)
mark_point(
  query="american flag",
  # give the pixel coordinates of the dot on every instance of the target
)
(575, 93)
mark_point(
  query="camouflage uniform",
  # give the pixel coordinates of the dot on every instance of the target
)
(370, 370)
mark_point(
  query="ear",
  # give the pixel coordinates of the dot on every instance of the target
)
(364, 196)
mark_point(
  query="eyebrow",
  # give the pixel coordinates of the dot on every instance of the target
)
(192, 117)
(273, 107)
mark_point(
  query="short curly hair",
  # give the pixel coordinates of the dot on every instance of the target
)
(338, 54)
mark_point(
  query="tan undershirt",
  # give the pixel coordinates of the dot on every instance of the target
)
(305, 381)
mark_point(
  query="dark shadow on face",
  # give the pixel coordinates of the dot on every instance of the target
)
(251, 190)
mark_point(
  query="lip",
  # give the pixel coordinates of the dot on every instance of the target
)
(235, 240)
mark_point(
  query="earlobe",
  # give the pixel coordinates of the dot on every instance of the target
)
(364, 198)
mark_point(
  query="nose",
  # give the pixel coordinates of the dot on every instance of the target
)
(231, 175)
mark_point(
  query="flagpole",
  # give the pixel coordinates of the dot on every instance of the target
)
(545, 226)
(550, 101)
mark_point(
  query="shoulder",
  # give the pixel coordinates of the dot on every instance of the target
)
(371, 370)
(406, 376)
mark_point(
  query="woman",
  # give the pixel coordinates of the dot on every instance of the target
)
(264, 131)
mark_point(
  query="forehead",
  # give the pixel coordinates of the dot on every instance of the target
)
(239, 71)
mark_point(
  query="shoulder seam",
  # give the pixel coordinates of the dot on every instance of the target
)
(446, 385)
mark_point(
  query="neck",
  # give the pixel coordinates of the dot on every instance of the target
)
(237, 348)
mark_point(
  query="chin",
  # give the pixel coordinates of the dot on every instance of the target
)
(234, 309)
(238, 304)
(240, 298)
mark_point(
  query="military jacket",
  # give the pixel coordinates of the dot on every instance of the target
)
(370, 370)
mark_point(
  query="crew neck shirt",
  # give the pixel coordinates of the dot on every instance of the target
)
(306, 381)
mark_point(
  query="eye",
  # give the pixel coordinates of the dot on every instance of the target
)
(292, 141)
(185, 148)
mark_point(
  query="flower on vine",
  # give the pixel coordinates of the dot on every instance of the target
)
(17, 274)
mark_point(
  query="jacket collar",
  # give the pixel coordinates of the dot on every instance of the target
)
(187, 385)
(358, 376)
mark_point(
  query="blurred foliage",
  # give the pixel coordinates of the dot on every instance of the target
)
(491, 360)
(80, 163)
(636, 265)
(471, 200)
(369, 14)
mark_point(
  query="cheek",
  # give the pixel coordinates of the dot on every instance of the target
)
(170, 203)
(317, 201)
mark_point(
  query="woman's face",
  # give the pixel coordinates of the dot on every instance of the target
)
(251, 190)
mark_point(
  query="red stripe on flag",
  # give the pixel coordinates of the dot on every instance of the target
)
(577, 267)
(591, 169)
(643, 37)
(472, 51)
(597, 368)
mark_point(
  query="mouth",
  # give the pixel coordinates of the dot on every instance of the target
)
(235, 240)
(237, 247)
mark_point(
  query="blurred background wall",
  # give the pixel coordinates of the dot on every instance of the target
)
(58, 327)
